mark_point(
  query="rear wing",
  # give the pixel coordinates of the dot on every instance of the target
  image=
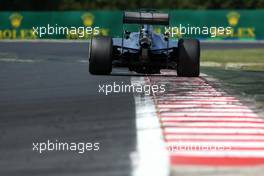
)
(155, 18)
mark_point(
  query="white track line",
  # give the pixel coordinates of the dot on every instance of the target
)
(151, 157)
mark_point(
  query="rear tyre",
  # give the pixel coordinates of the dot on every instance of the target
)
(188, 58)
(100, 62)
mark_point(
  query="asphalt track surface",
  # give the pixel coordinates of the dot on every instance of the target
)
(47, 93)
(57, 98)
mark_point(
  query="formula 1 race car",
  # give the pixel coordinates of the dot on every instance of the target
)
(145, 51)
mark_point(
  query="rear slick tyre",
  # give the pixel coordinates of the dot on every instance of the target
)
(100, 62)
(188, 58)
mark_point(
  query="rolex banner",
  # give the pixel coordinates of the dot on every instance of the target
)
(242, 24)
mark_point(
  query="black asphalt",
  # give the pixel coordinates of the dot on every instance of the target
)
(55, 98)
(47, 93)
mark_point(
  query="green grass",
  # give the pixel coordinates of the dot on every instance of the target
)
(233, 55)
(244, 59)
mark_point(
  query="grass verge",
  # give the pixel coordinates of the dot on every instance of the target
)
(242, 59)
(242, 70)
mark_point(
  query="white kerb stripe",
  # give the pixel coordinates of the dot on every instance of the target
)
(197, 114)
(206, 119)
(214, 130)
(231, 144)
(214, 137)
(212, 124)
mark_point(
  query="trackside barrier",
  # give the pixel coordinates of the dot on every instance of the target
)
(245, 24)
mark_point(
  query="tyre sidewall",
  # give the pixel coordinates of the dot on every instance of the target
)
(100, 61)
(188, 57)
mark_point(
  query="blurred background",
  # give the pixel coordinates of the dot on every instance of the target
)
(128, 4)
(17, 18)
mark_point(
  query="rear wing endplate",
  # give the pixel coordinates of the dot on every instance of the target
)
(154, 18)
